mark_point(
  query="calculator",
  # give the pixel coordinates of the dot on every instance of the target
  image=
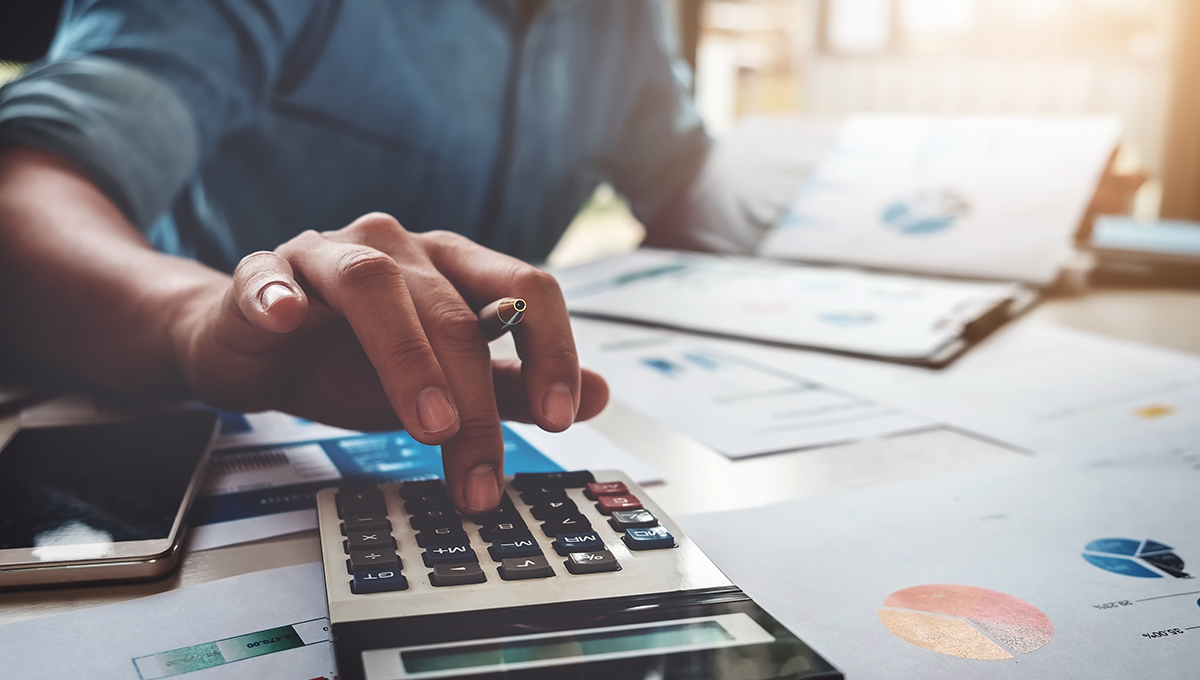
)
(575, 575)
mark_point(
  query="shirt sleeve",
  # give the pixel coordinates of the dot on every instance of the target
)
(138, 93)
(663, 163)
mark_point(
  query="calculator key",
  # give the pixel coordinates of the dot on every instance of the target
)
(504, 531)
(605, 489)
(377, 581)
(365, 560)
(566, 525)
(650, 538)
(369, 540)
(426, 503)
(517, 568)
(572, 543)
(366, 522)
(521, 547)
(359, 500)
(592, 562)
(449, 554)
(442, 536)
(607, 504)
(555, 509)
(457, 574)
(632, 519)
(529, 480)
(540, 495)
(431, 519)
(504, 512)
(424, 487)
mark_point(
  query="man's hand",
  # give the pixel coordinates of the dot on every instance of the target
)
(359, 326)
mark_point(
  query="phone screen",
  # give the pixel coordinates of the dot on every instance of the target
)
(99, 483)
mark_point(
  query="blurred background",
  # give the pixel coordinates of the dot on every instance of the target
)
(1139, 59)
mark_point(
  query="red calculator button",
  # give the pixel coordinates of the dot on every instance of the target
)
(605, 489)
(607, 504)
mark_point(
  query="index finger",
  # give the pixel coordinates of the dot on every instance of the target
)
(550, 364)
(368, 288)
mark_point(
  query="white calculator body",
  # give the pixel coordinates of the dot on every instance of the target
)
(575, 575)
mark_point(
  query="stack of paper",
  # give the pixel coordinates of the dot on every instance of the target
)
(1026, 569)
(979, 196)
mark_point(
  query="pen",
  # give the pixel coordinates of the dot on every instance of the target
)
(498, 317)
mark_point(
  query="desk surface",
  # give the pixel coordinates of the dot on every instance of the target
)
(699, 478)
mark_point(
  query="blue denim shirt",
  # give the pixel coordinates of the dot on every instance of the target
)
(221, 127)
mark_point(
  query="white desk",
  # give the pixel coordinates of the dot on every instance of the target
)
(699, 478)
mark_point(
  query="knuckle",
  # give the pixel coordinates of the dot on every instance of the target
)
(559, 350)
(406, 353)
(477, 425)
(367, 268)
(255, 261)
(536, 280)
(375, 225)
(457, 325)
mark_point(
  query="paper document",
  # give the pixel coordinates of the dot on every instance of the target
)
(1017, 570)
(843, 310)
(738, 407)
(979, 196)
(268, 624)
(268, 466)
(1035, 385)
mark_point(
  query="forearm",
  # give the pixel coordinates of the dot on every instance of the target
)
(80, 289)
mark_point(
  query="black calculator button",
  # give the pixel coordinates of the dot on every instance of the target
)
(505, 512)
(540, 495)
(366, 522)
(426, 503)
(377, 581)
(566, 544)
(432, 519)
(366, 560)
(521, 547)
(442, 536)
(504, 531)
(424, 487)
(632, 519)
(566, 525)
(650, 538)
(457, 574)
(449, 554)
(555, 509)
(592, 562)
(360, 500)
(517, 568)
(374, 539)
(529, 480)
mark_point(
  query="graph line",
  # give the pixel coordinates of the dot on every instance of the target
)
(1147, 599)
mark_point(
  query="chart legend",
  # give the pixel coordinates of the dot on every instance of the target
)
(965, 621)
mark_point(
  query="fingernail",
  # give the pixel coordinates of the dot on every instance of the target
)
(558, 406)
(434, 410)
(482, 491)
(273, 293)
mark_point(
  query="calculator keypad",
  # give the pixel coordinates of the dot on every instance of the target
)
(514, 551)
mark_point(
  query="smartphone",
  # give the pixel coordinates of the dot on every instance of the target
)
(102, 500)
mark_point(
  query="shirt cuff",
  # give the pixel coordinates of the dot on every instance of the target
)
(128, 131)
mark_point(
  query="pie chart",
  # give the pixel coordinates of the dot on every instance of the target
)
(965, 621)
(1130, 557)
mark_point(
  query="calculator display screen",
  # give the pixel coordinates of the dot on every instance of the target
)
(98, 484)
(577, 644)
